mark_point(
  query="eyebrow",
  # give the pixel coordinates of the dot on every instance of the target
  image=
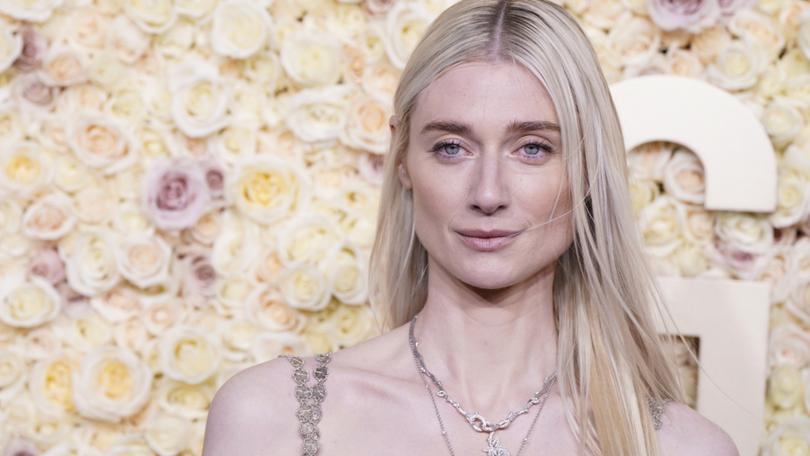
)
(514, 126)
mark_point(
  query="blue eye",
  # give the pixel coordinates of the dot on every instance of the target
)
(449, 148)
(540, 148)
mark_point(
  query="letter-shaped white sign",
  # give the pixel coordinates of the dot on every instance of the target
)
(737, 155)
(730, 317)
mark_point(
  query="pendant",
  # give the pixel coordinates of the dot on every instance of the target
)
(494, 447)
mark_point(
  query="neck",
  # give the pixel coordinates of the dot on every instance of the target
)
(491, 349)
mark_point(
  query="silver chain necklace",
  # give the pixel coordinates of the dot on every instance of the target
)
(478, 422)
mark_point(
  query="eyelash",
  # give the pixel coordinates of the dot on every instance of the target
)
(442, 144)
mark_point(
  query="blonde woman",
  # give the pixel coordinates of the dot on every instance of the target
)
(515, 295)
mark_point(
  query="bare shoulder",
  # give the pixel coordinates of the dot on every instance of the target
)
(687, 432)
(253, 411)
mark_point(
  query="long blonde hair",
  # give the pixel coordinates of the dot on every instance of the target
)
(610, 361)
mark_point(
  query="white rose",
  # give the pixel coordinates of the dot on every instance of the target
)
(788, 344)
(25, 168)
(798, 303)
(684, 63)
(152, 16)
(161, 315)
(118, 305)
(798, 88)
(305, 287)
(267, 189)
(347, 268)
(783, 120)
(130, 446)
(85, 329)
(95, 204)
(683, 177)
(648, 161)
(691, 259)
(26, 302)
(604, 14)
(633, 40)
(311, 58)
(661, 226)
(318, 115)
(793, 198)
(642, 193)
(405, 24)
(144, 261)
(12, 374)
(10, 45)
(737, 66)
(236, 141)
(126, 40)
(91, 266)
(240, 28)
(799, 259)
(167, 435)
(234, 249)
(194, 8)
(367, 124)
(113, 383)
(749, 233)
(186, 401)
(758, 28)
(199, 106)
(132, 334)
(267, 307)
(51, 217)
(51, 384)
(10, 216)
(269, 345)
(785, 387)
(101, 143)
(30, 10)
(42, 342)
(129, 220)
(71, 174)
(350, 325)
(237, 338)
(307, 238)
(64, 65)
(803, 36)
(178, 40)
(788, 437)
(188, 355)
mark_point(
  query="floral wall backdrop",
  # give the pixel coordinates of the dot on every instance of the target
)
(189, 187)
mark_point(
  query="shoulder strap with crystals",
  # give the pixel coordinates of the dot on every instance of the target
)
(309, 399)
(657, 411)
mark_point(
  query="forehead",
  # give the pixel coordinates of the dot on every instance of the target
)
(485, 95)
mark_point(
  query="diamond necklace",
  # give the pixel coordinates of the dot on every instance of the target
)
(478, 422)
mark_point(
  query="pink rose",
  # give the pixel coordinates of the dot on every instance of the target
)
(34, 46)
(378, 6)
(690, 15)
(31, 89)
(176, 194)
(729, 7)
(200, 276)
(18, 446)
(48, 265)
(214, 177)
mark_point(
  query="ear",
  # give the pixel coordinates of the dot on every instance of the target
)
(404, 178)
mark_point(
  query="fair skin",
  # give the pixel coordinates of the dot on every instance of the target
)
(487, 327)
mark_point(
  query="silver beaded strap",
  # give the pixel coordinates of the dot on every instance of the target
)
(309, 399)
(657, 411)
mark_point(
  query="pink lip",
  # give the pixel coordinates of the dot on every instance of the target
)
(487, 241)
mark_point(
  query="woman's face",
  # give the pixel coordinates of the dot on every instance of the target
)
(484, 163)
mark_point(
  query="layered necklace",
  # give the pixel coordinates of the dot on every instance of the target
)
(478, 422)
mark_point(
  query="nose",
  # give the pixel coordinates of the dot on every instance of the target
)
(489, 192)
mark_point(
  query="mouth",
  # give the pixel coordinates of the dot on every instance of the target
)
(487, 241)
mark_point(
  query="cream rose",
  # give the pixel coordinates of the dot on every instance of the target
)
(144, 261)
(305, 287)
(347, 268)
(85, 328)
(788, 437)
(684, 63)
(367, 124)
(25, 168)
(793, 198)
(405, 23)
(10, 216)
(649, 160)
(194, 8)
(167, 435)
(126, 40)
(231, 293)
(350, 325)
(51, 217)
(269, 345)
(803, 35)
(311, 58)
(12, 374)
(186, 401)
(30, 10)
(642, 193)
(744, 232)
(267, 266)
(51, 384)
(798, 302)
(119, 304)
(237, 339)
(737, 66)
(785, 387)
(26, 302)
(112, 384)
(661, 226)
(307, 238)
(266, 189)
(188, 355)
(788, 344)
(267, 307)
(95, 204)
(152, 16)
(691, 259)
(91, 265)
(633, 40)
(199, 106)
(759, 28)
(240, 28)
(64, 65)
(683, 177)
(783, 120)
(101, 143)
(236, 142)
(71, 174)
(233, 250)
(129, 220)
(318, 115)
(161, 315)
